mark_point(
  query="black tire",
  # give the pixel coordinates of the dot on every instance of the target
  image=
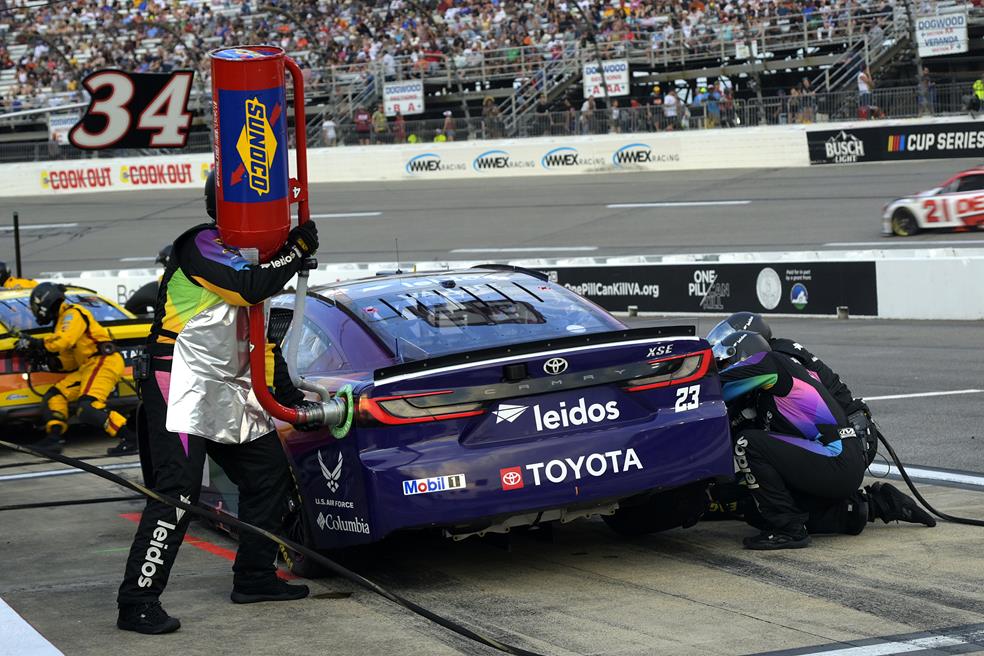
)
(298, 531)
(904, 223)
(681, 507)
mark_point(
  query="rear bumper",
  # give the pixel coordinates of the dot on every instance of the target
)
(442, 483)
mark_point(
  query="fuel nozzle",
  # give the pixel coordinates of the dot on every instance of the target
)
(336, 413)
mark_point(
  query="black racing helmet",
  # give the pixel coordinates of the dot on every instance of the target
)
(210, 194)
(164, 255)
(45, 301)
(737, 347)
(749, 321)
(4, 272)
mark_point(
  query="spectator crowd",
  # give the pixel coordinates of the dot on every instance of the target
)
(46, 48)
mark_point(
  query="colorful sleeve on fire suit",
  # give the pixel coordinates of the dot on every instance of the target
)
(828, 377)
(224, 272)
(69, 330)
(757, 372)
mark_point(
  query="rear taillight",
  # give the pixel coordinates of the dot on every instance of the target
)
(394, 410)
(674, 370)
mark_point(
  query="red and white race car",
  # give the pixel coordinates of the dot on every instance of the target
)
(956, 204)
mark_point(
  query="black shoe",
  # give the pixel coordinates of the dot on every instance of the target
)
(772, 540)
(267, 589)
(50, 443)
(149, 618)
(889, 504)
(128, 444)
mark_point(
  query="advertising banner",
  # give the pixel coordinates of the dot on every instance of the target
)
(60, 124)
(77, 176)
(943, 34)
(778, 288)
(616, 77)
(896, 143)
(407, 97)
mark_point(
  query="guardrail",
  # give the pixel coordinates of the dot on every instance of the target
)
(900, 102)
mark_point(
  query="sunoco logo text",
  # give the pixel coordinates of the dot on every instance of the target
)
(257, 146)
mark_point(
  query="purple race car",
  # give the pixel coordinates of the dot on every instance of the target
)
(491, 398)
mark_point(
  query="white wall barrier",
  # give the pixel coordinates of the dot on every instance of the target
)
(906, 284)
(772, 146)
(610, 153)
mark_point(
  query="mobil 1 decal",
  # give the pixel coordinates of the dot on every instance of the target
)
(788, 287)
(887, 143)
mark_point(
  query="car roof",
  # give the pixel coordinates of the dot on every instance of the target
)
(26, 291)
(401, 282)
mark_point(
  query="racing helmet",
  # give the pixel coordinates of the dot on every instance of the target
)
(740, 321)
(210, 194)
(738, 346)
(4, 272)
(164, 255)
(45, 301)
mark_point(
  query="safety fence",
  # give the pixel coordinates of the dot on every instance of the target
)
(593, 119)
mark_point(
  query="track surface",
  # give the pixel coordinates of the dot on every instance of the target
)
(682, 592)
(788, 209)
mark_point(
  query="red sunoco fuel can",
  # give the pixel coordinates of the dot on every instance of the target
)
(250, 130)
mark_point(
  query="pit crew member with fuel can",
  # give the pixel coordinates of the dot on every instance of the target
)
(196, 394)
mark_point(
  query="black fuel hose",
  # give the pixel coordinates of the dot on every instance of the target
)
(210, 513)
(69, 502)
(915, 492)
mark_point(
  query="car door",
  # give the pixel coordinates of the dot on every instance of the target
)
(960, 197)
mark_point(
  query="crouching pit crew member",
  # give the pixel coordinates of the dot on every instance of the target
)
(802, 441)
(198, 402)
(78, 339)
(877, 501)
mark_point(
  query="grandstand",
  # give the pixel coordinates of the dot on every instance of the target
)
(467, 52)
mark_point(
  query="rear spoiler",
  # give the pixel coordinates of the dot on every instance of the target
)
(595, 339)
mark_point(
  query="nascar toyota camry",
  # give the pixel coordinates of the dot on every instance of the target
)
(956, 204)
(491, 398)
(21, 388)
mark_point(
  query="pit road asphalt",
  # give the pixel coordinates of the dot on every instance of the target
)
(807, 208)
(692, 591)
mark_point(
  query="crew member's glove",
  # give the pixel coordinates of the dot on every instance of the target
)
(311, 426)
(303, 239)
(33, 350)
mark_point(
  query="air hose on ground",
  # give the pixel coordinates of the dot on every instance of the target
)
(327, 563)
(915, 492)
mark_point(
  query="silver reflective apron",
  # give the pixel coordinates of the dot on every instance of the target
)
(210, 393)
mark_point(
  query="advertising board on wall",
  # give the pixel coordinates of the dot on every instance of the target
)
(942, 34)
(783, 288)
(60, 124)
(887, 143)
(616, 76)
(407, 97)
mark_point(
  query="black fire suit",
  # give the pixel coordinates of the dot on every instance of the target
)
(804, 452)
(856, 409)
(203, 271)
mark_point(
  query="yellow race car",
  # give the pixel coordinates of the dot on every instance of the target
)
(21, 388)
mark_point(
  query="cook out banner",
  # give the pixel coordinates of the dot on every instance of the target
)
(781, 288)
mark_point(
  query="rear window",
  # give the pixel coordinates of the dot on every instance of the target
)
(431, 321)
(15, 313)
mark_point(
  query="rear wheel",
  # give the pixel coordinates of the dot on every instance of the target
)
(296, 530)
(681, 507)
(904, 223)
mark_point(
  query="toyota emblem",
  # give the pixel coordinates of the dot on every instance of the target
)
(555, 366)
(511, 478)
